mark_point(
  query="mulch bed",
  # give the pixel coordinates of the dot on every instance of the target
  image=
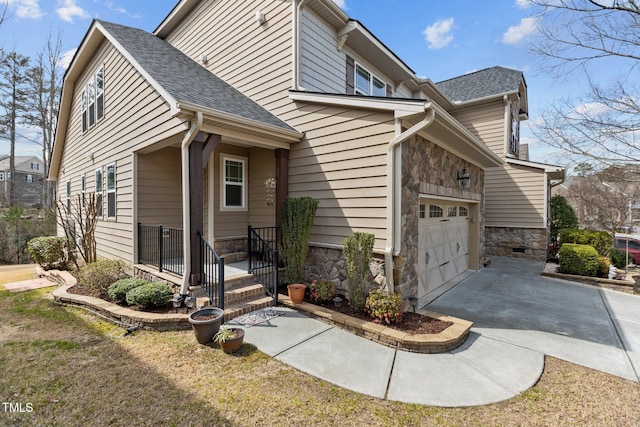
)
(411, 323)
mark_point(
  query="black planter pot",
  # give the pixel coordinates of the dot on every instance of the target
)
(205, 330)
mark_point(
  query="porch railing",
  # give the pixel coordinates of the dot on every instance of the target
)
(162, 247)
(212, 277)
(263, 258)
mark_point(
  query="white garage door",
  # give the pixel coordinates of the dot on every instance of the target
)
(443, 244)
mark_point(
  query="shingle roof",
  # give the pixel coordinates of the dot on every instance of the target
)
(480, 84)
(186, 80)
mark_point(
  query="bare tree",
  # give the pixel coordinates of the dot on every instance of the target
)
(13, 97)
(78, 217)
(43, 103)
(579, 36)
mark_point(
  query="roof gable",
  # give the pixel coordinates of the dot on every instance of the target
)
(492, 81)
(181, 79)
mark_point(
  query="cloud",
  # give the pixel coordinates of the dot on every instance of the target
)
(65, 59)
(518, 32)
(115, 8)
(438, 35)
(523, 4)
(68, 9)
(29, 9)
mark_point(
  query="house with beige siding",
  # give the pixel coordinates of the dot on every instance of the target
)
(197, 132)
(492, 103)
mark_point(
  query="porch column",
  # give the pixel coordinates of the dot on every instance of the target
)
(282, 181)
(196, 208)
(199, 152)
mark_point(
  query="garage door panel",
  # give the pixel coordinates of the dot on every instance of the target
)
(443, 246)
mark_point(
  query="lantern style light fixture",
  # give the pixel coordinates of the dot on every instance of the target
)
(413, 301)
(177, 301)
(464, 179)
(337, 301)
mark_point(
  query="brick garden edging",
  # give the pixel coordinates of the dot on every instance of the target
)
(447, 340)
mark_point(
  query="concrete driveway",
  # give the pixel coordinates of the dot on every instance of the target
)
(510, 302)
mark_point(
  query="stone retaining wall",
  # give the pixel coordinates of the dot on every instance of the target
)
(516, 242)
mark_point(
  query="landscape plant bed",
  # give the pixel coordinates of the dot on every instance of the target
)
(427, 332)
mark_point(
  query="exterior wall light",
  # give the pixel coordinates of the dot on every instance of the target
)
(464, 179)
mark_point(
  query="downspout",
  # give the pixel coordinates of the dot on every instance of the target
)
(186, 200)
(297, 13)
(394, 182)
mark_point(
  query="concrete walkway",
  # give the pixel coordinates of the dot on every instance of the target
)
(519, 316)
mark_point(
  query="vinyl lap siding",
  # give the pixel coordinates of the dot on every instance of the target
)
(323, 67)
(135, 116)
(514, 197)
(342, 163)
(487, 123)
(255, 59)
(159, 188)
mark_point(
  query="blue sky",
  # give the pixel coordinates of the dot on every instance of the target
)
(437, 39)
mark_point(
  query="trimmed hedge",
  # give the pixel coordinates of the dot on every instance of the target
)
(151, 294)
(582, 260)
(49, 252)
(118, 290)
(600, 240)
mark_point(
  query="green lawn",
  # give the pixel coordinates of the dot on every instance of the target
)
(74, 369)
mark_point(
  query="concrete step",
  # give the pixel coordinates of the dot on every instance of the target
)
(238, 309)
(243, 294)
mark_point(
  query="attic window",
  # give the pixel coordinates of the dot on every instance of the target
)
(92, 100)
(514, 146)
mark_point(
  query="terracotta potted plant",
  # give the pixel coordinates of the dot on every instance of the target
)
(296, 292)
(206, 323)
(229, 339)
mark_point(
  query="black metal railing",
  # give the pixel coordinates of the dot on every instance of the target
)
(212, 277)
(263, 258)
(161, 246)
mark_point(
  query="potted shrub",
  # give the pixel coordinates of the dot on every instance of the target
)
(297, 222)
(229, 339)
(206, 323)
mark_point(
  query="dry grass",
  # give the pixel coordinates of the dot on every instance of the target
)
(76, 369)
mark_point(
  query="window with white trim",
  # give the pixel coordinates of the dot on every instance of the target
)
(98, 188)
(83, 188)
(1, 176)
(92, 100)
(68, 196)
(8, 176)
(35, 166)
(111, 191)
(452, 211)
(366, 83)
(29, 178)
(514, 146)
(464, 211)
(234, 182)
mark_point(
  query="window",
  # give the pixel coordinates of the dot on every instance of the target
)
(111, 191)
(91, 90)
(514, 146)
(35, 166)
(452, 211)
(68, 196)
(29, 178)
(463, 211)
(99, 192)
(1, 176)
(92, 100)
(368, 84)
(234, 182)
(8, 176)
(84, 110)
(100, 93)
(423, 211)
(83, 189)
(435, 211)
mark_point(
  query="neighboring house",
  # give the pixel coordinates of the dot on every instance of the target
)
(190, 126)
(492, 103)
(29, 179)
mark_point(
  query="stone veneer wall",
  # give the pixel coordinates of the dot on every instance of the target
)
(516, 242)
(331, 264)
(429, 170)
